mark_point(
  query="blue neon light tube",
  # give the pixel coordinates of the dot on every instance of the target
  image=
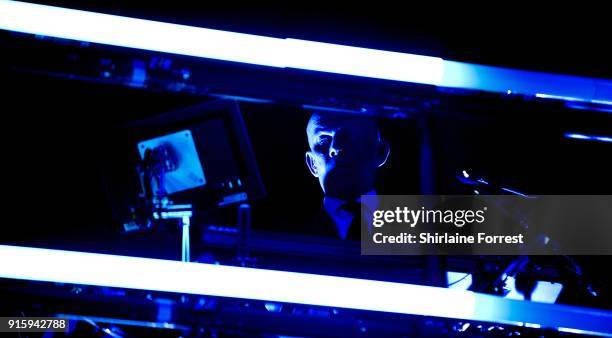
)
(293, 53)
(216, 44)
(280, 286)
(585, 137)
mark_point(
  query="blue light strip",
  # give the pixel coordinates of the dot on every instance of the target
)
(216, 44)
(292, 53)
(514, 192)
(538, 84)
(115, 321)
(288, 287)
(577, 136)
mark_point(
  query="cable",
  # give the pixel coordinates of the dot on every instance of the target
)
(459, 280)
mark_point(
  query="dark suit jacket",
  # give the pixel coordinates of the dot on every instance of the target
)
(322, 224)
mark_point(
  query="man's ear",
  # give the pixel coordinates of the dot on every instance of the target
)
(384, 149)
(311, 164)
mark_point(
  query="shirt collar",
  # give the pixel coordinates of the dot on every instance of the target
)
(331, 204)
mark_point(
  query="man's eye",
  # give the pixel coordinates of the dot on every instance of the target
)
(324, 140)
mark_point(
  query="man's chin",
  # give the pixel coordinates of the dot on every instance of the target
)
(343, 183)
(343, 192)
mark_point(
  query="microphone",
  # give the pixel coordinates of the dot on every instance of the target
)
(481, 184)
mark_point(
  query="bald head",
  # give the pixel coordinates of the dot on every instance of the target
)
(345, 152)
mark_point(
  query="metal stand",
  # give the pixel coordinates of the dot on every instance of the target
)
(183, 213)
(244, 226)
(434, 272)
(185, 251)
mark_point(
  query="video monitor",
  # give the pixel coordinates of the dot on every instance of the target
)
(213, 164)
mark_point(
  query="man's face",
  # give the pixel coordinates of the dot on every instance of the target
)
(345, 152)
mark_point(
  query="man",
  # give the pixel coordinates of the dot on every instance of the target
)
(345, 153)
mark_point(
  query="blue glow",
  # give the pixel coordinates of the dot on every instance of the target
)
(569, 98)
(481, 180)
(514, 192)
(216, 44)
(235, 198)
(577, 136)
(164, 310)
(558, 97)
(602, 102)
(139, 73)
(538, 84)
(273, 307)
(293, 53)
(242, 98)
(141, 34)
(459, 280)
(327, 57)
(287, 287)
(122, 322)
(582, 332)
(330, 109)
(544, 292)
(533, 326)
(585, 106)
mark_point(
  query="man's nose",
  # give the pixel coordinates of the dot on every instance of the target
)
(334, 151)
(336, 147)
